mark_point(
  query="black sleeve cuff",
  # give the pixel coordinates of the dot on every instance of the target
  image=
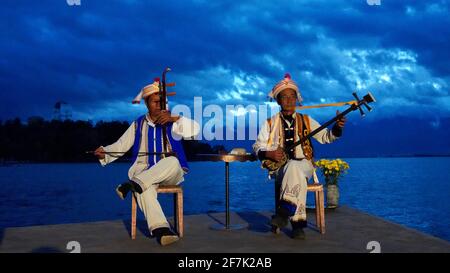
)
(336, 130)
(262, 155)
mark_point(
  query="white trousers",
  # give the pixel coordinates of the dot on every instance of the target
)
(294, 177)
(167, 171)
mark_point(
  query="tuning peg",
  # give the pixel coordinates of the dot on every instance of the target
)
(362, 112)
(358, 104)
(369, 98)
(367, 106)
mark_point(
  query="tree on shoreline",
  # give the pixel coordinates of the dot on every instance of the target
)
(39, 140)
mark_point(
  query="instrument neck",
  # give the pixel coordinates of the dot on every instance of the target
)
(163, 102)
(323, 126)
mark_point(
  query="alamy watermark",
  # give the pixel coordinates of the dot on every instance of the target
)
(234, 122)
(374, 246)
(373, 2)
(74, 246)
(73, 2)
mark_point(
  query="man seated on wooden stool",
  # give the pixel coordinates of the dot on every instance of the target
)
(282, 130)
(148, 171)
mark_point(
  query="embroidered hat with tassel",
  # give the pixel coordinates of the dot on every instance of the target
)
(150, 89)
(286, 83)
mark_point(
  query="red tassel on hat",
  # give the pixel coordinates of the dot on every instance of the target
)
(156, 79)
(287, 75)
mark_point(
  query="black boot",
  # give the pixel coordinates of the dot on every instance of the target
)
(165, 236)
(123, 189)
(279, 220)
(135, 187)
(297, 229)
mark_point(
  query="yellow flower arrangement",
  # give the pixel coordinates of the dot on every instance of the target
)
(332, 169)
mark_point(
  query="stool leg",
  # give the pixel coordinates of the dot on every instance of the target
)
(322, 213)
(179, 215)
(133, 217)
(175, 210)
(317, 204)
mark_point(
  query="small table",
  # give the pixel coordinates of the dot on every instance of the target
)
(227, 158)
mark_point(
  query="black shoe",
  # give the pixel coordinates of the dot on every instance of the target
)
(298, 234)
(297, 229)
(135, 187)
(165, 236)
(278, 222)
(275, 229)
(123, 189)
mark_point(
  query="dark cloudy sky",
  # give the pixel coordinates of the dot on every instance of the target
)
(98, 55)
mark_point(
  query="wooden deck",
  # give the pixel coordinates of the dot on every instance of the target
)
(347, 230)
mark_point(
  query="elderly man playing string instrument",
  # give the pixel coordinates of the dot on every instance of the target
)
(145, 136)
(280, 131)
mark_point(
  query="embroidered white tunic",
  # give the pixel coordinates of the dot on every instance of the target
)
(166, 171)
(295, 174)
(262, 142)
(183, 127)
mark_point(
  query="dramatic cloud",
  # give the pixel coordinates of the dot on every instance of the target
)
(98, 55)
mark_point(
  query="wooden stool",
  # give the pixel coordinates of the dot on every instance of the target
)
(317, 188)
(177, 207)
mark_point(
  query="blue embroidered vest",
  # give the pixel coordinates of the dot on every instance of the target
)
(176, 145)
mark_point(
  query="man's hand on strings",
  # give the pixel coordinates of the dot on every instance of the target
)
(164, 117)
(276, 155)
(100, 153)
(341, 121)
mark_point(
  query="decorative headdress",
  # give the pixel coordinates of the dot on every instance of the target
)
(286, 83)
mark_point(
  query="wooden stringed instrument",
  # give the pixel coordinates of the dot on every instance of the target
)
(273, 166)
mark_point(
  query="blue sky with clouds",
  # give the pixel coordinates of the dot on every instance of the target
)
(98, 55)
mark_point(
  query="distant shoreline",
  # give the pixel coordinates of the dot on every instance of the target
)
(6, 163)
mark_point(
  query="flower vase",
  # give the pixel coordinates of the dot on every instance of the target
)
(332, 196)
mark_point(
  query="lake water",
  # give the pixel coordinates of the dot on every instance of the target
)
(410, 191)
